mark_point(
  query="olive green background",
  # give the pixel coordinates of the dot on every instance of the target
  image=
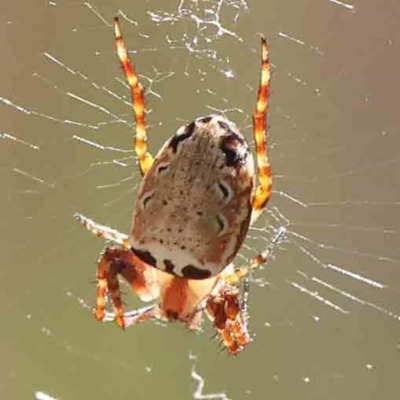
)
(324, 312)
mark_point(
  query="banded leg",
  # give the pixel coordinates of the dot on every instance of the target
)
(233, 276)
(137, 97)
(114, 262)
(142, 315)
(263, 191)
(103, 231)
(228, 313)
(229, 317)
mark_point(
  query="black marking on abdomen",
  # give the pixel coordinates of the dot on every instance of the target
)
(146, 199)
(169, 267)
(229, 132)
(233, 146)
(162, 168)
(205, 120)
(225, 190)
(192, 272)
(188, 131)
(145, 256)
(221, 223)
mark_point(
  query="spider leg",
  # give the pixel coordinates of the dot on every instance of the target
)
(234, 275)
(136, 316)
(226, 310)
(103, 231)
(120, 261)
(263, 191)
(229, 318)
(137, 96)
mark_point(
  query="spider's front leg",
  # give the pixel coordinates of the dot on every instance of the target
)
(226, 310)
(229, 316)
(103, 231)
(114, 261)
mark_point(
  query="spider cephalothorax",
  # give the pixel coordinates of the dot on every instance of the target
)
(195, 203)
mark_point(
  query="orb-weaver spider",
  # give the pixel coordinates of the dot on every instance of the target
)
(195, 204)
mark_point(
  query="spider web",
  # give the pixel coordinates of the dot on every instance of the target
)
(324, 311)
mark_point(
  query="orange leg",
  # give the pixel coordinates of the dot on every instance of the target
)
(232, 277)
(114, 262)
(228, 313)
(263, 191)
(229, 317)
(137, 97)
(118, 261)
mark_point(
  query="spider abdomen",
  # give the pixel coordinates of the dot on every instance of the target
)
(194, 203)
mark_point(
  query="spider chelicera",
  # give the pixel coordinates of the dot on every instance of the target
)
(195, 204)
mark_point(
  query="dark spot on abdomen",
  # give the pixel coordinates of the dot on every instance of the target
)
(224, 190)
(177, 139)
(192, 272)
(221, 223)
(169, 266)
(145, 256)
(205, 120)
(233, 146)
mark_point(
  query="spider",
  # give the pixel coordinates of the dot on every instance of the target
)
(196, 201)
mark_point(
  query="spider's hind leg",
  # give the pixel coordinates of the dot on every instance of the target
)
(137, 98)
(263, 191)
